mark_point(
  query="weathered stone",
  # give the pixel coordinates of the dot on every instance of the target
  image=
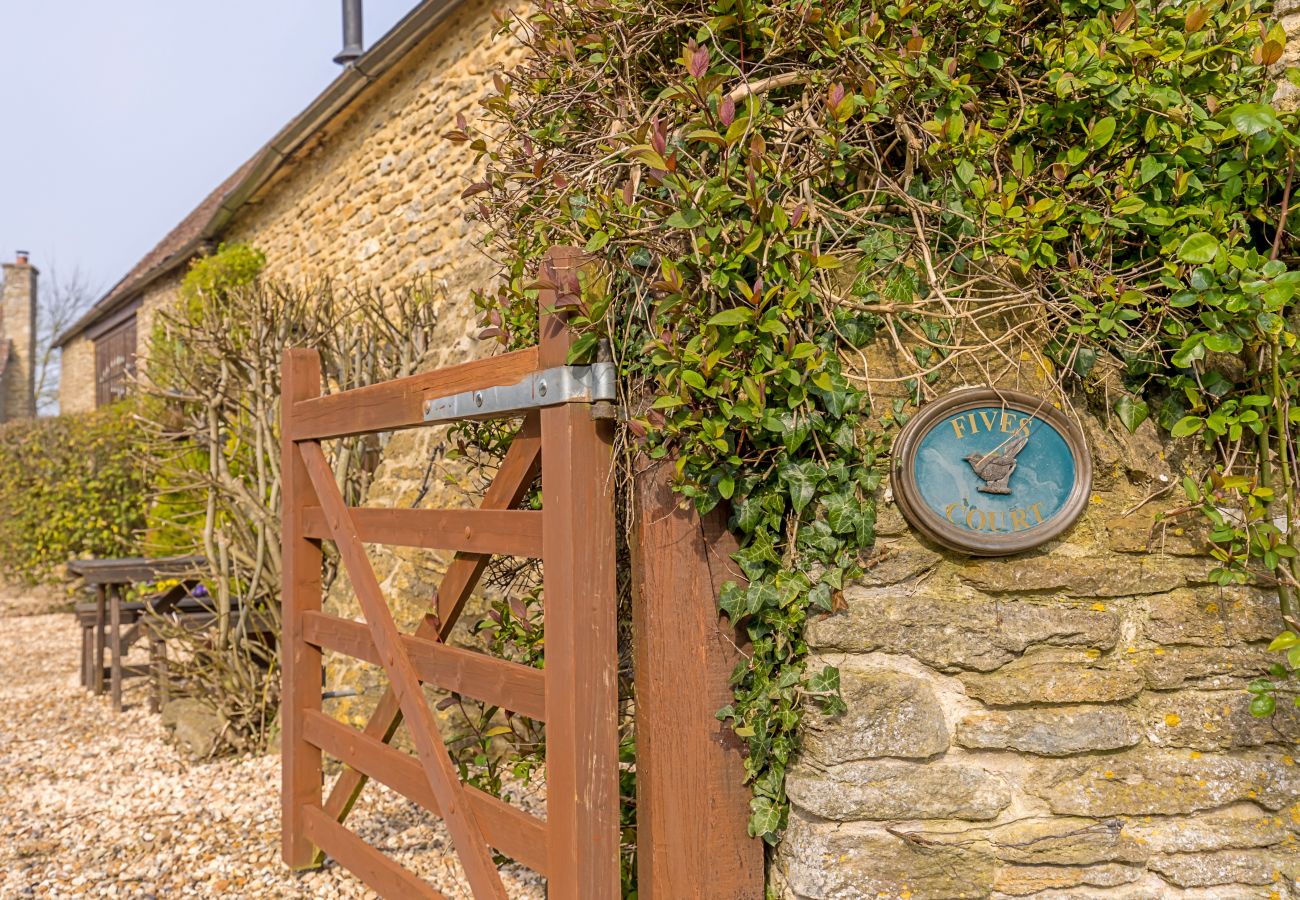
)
(194, 726)
(1055, 731)
(1141, 533)
(1054, 676)
(1213, 616)
(886, 790)
(1242, 825)
(889, 714)
(893, 561)
(950, 626)
(1060, 841)
(1084, 576)
(825, 861)
(1170, 668)
(1019, 881)
(1226, 867)
(1116, 453)
(1216, 720)
(1162, 782)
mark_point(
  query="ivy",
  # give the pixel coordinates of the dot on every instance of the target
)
(803, 180)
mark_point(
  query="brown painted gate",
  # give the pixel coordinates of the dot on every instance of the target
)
(577, 846)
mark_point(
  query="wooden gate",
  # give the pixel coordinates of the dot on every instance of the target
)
(577, 846)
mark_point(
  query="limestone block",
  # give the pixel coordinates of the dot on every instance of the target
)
(1239, 826)
(893, 561)
(890, 714)
(948, 626)
(1213, 616)
(1054, 676)
(1043, 841)
(1019, 881)
(1054, 731)
(1169, 668)
(1227, 867)
(884, 790)
(1163, 782)
(829, 861)
(1084, 576)
(1216, 720)
(1141, 533)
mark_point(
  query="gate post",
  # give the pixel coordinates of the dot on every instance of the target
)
(693, 838)
(300, 592)
(580, 607)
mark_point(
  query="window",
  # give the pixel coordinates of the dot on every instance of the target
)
(114, 363)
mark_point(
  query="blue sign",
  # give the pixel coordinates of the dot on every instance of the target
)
(991, 472)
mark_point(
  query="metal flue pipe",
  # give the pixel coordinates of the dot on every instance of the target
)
(352, 39)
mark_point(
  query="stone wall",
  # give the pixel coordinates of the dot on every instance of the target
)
(375, 203)
(1068, 722)
(77, 376)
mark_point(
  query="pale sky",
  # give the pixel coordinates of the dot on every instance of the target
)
(118, 116)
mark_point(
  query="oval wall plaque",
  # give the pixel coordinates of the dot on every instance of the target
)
(991, 472)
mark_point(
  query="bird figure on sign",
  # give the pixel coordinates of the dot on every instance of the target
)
(996, 466)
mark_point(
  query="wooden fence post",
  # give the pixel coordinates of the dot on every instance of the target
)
(581, 620)
(300, 592)
(692, 805)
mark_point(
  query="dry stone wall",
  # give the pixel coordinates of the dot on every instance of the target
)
(1068, 722)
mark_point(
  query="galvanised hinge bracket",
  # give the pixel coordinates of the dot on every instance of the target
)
(595, 383)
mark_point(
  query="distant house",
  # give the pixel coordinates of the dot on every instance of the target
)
(360, 187)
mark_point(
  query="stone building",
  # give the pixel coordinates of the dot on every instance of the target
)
(360, 187)
(18, 340)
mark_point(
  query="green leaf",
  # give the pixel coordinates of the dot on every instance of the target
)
(1262, 705)
(1252, 118)
(1187, 425)
(1285, 641)
(1199, 248)
(579, 349)
(685, 218)
(1131, 412)
(827, 681)
(1102, 132)
(730, 317)
(801, 480)
(764, 819)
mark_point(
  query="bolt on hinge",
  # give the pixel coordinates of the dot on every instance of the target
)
(593, 384)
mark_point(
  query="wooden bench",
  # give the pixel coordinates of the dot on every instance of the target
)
(103, 619)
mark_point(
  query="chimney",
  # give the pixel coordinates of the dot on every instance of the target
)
(18, 330)
(352, 39)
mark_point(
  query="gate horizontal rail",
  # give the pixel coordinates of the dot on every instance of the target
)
(576, 846)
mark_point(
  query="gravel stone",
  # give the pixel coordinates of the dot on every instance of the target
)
(94, 804)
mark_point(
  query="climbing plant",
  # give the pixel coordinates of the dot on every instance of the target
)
(767, 189)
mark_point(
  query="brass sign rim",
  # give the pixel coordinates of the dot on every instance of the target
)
(919, 515)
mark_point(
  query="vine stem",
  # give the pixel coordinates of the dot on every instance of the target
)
(1290, 608)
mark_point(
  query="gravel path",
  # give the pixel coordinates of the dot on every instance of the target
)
(94, 804)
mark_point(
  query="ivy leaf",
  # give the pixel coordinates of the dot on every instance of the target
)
(801, 480)
(1131, 412)
(1187, 426)
(827, 681)
(764, 818)
(1199, 248)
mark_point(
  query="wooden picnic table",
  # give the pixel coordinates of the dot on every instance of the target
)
(110, 579)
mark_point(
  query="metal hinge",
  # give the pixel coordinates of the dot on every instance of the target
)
(551, 387)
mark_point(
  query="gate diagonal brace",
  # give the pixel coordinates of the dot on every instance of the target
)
(595, 384)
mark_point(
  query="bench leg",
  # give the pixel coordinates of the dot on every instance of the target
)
(162, 689)
(101, 617)
(115, 607)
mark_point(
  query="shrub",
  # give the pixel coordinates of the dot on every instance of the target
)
(70, 486)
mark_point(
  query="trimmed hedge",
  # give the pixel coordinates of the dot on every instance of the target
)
(70, 486)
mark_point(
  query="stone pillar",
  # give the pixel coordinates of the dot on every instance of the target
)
(18, 328)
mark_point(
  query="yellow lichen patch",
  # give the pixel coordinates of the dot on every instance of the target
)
(1099, 606)
(1172, 719)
